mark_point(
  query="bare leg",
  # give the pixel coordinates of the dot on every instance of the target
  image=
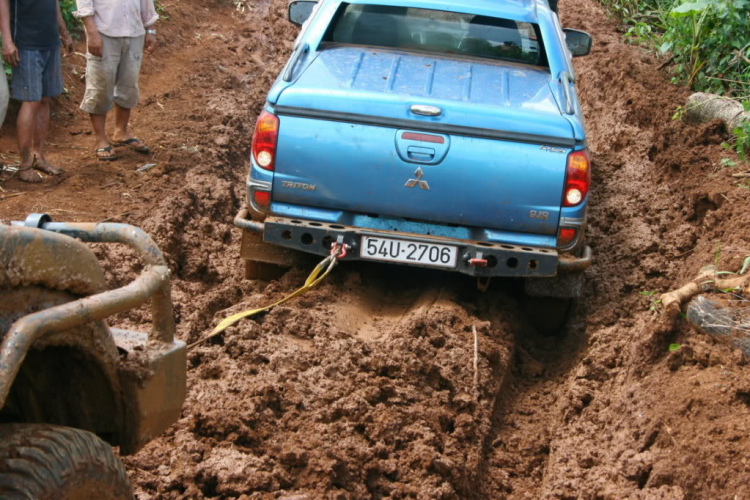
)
(121, 134)
(25, 130)
(122, 120)
(99, 123)
(104, 149)
(40, 138)
(26, 125)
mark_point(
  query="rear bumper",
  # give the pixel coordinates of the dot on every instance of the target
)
(503, 260)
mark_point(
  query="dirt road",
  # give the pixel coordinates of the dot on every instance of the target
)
(364, 388)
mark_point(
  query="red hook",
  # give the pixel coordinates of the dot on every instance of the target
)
(335, 248)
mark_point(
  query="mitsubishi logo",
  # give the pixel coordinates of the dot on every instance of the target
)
(413, 182)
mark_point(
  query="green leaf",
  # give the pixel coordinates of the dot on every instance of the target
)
(674, 347)
(666, 47)
(689, 9)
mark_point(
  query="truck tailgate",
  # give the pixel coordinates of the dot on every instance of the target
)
(418, 174)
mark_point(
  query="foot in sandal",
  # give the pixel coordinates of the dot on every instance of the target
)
(106, 154)
(136, 145)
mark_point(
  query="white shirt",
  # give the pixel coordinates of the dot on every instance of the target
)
(119, 18)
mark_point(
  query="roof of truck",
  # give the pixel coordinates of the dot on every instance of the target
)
(520, 10)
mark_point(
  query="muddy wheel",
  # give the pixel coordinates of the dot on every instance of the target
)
(48, 462)
(546, 315)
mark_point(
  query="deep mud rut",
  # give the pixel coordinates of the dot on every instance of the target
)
(365, 387)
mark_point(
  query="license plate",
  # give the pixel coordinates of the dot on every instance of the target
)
(408, 252)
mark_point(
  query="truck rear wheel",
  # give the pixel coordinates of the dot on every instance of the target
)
(49, 462)
(547, 315)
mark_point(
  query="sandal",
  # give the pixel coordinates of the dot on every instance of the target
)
(110, 156)
(134, 144)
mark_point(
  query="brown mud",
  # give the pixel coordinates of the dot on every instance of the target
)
(364, 388)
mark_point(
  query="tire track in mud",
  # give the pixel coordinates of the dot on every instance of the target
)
(580, 418)
(529, 453)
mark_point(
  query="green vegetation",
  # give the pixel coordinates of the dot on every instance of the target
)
(67, 7)
(161, 10)
(742, 141)
(707, 41)
(653, 302)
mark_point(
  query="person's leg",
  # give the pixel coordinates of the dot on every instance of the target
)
(99, 96)
(52, 86)
(41, 126)
(122, 121)
(4, 99)
(25, 127)
(27, 88)
(99, 124)
(127, 93)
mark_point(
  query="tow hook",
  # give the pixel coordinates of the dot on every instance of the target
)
(478, 261)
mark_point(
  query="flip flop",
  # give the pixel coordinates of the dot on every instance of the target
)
(130, 143)
(109, 157)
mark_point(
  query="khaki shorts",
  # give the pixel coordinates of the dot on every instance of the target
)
(113, 78)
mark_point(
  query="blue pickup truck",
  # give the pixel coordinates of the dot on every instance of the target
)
(433, 133)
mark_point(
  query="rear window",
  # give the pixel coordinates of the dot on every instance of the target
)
(437, 31)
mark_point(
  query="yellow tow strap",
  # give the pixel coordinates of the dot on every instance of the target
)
(325, 267)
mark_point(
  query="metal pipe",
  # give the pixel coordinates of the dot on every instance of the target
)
(162, 313)
(126, 234)
(579, 264)
(242, 222)
(32, 327)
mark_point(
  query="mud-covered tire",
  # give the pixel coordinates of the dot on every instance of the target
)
(562, 286)
(547, 315)
(49, 462)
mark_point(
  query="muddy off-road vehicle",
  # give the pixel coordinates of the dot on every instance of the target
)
(70, 386)
(433, 133)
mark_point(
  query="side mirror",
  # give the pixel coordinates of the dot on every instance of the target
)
(578, 42)
(300, 11)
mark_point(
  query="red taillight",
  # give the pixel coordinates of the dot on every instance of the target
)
(566, 236)
(262, 198)
(577, 178)
(264, 140)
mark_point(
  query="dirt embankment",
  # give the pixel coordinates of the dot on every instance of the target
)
(364, 388)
